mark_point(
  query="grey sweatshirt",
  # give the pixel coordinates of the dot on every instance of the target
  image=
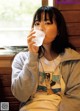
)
(25, 75)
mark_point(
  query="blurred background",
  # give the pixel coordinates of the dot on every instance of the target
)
(15, 21)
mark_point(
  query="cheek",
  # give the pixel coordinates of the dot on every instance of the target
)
(52, 31)
(49, 39)
(51, 34)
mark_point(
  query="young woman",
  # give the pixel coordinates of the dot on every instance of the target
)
(47, 77)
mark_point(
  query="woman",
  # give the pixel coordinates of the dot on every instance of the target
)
(47, 77)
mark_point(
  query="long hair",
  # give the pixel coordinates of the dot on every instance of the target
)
(62, 39)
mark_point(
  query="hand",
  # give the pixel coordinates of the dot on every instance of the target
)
(31, 46)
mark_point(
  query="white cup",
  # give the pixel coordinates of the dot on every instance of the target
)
(39, 37)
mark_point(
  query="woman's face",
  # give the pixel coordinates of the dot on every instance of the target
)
(49, 28)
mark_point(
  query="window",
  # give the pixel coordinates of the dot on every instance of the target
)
(15, 21)
(50, 2)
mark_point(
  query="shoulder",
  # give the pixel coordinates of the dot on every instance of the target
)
(70, 64)
(70, 55)
(20, 57)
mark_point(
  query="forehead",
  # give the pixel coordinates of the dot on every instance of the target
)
(45, 15)
(42, 16)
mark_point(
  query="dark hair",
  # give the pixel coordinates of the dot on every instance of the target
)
(61, 41)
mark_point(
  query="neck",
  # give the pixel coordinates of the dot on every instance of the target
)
(49, 55)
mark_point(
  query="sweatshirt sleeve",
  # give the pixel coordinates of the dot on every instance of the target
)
(71, 99)
(24, 75)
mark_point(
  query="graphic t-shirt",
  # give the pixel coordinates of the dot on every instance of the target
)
(49, 76)
(50, 89)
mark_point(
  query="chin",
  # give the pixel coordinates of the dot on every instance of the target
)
(48, 43)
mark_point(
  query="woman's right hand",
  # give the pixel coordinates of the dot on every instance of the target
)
(31, 46)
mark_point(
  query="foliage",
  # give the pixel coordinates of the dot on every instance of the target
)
(11, 10)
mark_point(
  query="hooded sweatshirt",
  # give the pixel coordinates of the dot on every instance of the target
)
(25, 78)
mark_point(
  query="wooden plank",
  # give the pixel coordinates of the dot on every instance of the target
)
(78, 50)
(71, 16)
(5, 92)
(75, 41)
(5, 70)
(10, 99)
(5, 80)
(5, 63)
(44, 2)
(14, 106)
(7, 57)
(67, 6)
(5, 83)
(73, 28)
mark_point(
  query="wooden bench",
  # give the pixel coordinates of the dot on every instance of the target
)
(5, 83)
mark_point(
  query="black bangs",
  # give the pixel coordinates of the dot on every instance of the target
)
(49, 14)
(39, 13)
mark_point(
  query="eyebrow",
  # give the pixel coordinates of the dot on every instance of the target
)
(44, 20)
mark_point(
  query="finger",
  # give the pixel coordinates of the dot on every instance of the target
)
(31, 33)
(33, 48)
(29, 39)
(32, 29)
(31, 43)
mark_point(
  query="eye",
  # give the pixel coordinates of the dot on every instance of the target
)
(48, 22)
(37, 23)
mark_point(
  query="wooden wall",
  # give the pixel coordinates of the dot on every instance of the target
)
(5, 83)
(44, 2)
(71, 13)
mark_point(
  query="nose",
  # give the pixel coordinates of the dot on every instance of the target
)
(41, 26)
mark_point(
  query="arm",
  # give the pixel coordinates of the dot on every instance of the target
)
(24, 75)
(71, 98)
